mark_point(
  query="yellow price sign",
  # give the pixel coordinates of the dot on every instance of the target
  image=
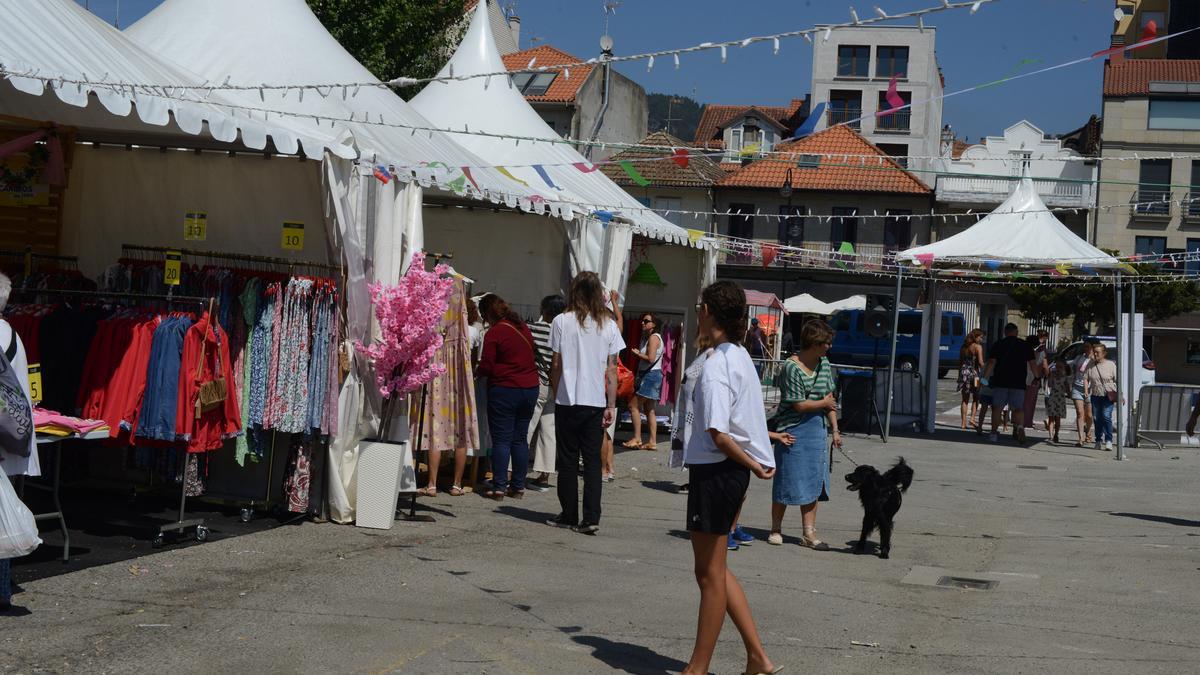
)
(195, 226)
(293, 235)
(173, 270)
(35, 382)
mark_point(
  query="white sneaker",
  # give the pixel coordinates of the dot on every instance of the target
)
(1108, 446)
(994, 437)
(775, 539)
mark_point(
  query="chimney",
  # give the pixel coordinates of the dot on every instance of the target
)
(1117, 57)
(514, 27)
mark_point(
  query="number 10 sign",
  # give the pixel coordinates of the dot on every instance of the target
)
(293, 235)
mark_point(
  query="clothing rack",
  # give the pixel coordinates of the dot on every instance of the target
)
(216, 255)
(38, 256)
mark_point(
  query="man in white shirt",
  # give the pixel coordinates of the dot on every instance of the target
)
(585, 340)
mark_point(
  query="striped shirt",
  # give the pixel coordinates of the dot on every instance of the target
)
(795, 385)
(541, 340)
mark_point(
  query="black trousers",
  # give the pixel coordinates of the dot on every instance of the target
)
(579, 431)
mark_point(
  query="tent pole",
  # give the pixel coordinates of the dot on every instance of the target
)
(1132, 369)
(1120, 390)
(891, 374)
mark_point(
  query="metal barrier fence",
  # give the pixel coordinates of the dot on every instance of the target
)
(1162, 413)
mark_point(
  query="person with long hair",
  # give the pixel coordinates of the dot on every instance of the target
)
(970, 361)
(1100, 382)
(649, 384)
(727, 443)
(585, 341)
(808, 412)
(509, 361)
(1083, 408)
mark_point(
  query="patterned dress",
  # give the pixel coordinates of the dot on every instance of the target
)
(450, 420)
(1060, 390)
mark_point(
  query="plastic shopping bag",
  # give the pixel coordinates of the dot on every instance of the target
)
(18, 529)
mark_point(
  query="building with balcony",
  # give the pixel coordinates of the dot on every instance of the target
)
(1169, 16)
(852, 69)
(983, 175)
(591, 102)
(1152, 108)
(823, 202)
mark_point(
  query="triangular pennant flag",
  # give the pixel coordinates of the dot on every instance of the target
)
(769, 251)
(695, 236)
(603, 216)
(1088, 270)
(925, 259)
(504, 172)
(1063, 269)
(1019, 275)
(1128, 268)
(467, 172)
(582, 166)
(383, 174)
(992, 264)
(680, 157)
(541, 171)
(845, 249)
(893, 98)
(458, 185)
(810, 124)
(633, 173)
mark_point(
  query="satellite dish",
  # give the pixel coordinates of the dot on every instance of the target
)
(606, 43)
(1118, 14)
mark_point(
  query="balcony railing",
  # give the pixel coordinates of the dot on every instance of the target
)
(1152, 203)
(1054, 193)
(897, 122)
(816, 253)
(1191, 206)
(845, 115)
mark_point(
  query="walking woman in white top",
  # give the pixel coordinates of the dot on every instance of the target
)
(728, 442)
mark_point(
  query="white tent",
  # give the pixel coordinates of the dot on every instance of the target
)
(53, 42)
(807, 304)
(493, 105)
(1018, 232)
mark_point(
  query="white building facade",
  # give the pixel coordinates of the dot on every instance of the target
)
(851, 72)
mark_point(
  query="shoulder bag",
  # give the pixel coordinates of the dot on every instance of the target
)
(16, 413)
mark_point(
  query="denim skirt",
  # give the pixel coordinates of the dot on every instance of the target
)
(802, 469)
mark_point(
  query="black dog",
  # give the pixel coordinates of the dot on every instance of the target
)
(880, 497)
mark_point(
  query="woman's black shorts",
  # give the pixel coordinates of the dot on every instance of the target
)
(715, 494)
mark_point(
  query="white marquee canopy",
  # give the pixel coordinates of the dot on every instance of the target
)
(1019, 232)
(492, 105)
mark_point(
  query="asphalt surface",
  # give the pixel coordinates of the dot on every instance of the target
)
(1093, 563)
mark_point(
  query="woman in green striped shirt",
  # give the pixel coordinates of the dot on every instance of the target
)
(808, 411)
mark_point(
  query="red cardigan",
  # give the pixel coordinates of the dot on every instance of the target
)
(507, 359)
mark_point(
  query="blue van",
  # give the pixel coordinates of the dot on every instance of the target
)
(853, 346)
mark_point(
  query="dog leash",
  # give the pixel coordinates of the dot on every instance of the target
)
(843, 452)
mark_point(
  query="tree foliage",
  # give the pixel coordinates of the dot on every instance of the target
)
(1095, 304)
(684, 114)
(393, 38)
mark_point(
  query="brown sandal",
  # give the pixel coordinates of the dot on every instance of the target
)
(427, 492)
(632, 444)
(457, 491)
(649, 446)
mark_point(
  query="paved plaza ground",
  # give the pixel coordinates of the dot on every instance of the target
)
(1096, 564)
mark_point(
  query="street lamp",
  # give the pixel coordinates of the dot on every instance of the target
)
(785, 191)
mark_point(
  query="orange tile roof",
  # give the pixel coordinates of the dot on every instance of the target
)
(562, 89)
(959, 148)
(882, 175)
(1132, 77)
(701, 171)
(714, 117)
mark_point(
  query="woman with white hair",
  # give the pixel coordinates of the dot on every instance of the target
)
(14, 461)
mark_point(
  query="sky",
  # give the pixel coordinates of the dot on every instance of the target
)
(970, 49)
